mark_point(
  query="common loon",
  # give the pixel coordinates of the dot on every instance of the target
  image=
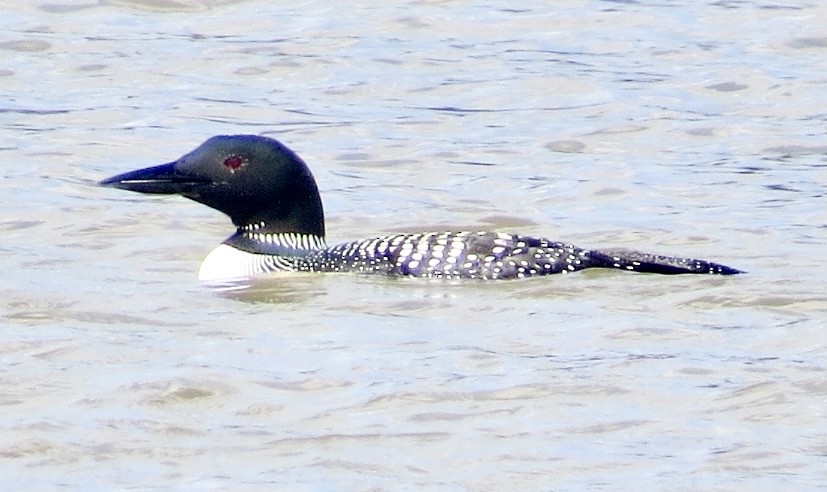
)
(272, 199)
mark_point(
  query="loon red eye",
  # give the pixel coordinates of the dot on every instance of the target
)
(234, 162)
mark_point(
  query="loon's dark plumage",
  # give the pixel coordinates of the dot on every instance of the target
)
(272, 198)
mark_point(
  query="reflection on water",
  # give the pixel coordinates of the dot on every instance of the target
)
(683, 129)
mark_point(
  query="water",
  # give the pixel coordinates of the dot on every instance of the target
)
(684, 128)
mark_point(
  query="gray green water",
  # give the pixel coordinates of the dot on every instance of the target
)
(681, 127)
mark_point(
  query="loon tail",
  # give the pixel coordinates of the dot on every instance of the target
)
(636, 261)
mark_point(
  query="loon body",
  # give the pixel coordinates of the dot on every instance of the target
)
(272, 198)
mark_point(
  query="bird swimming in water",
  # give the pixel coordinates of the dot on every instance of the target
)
(272, 199)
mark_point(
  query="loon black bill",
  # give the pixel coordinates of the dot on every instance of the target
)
(164, 180)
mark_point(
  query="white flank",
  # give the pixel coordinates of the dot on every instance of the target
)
(228, 263)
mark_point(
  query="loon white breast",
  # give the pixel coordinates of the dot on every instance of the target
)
(272, 198)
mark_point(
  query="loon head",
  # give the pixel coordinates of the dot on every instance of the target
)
(255, 180)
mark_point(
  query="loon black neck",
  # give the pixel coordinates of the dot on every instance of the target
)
(294, 207)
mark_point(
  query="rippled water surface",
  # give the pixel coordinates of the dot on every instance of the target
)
(692, 128)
